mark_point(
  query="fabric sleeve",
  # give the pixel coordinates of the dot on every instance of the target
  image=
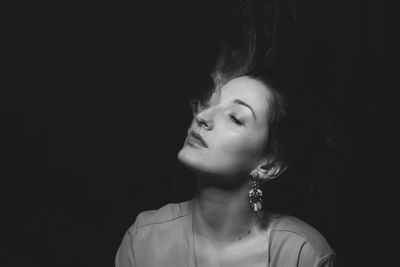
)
(310, 258)
(125, 256)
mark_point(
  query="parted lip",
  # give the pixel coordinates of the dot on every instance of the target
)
(198, 137)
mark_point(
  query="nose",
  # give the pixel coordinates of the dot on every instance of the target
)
(203, 120)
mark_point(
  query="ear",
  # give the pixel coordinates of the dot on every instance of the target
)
(269, 170)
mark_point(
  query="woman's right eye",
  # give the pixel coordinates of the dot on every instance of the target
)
(194, 104)
(204, 106)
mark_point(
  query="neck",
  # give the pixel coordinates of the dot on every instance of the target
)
(221, 214)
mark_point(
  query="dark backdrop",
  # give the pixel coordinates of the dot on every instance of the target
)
(96, 108)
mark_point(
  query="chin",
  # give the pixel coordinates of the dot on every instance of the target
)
(188, 160)
(204, 168)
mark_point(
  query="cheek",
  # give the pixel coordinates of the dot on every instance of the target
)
(231, 151)
(237, 150)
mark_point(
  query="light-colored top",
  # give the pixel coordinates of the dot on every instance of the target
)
(164, 238)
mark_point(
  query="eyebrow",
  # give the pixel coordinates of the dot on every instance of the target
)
(240, 102)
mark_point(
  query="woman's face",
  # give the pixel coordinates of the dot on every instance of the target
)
(234, 127)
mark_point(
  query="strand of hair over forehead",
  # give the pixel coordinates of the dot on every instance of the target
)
(247, 33)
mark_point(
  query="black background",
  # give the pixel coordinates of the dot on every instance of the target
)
(96, 108)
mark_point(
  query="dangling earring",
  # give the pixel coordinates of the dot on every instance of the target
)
(255, 193)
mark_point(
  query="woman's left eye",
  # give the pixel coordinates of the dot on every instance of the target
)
(235, 120)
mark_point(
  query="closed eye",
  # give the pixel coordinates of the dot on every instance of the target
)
(235, 120)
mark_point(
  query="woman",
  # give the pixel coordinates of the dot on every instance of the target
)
(226, 148)
(234, 145)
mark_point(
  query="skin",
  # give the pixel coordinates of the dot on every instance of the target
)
(236, 140)
(233, 150)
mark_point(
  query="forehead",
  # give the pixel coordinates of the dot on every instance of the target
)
(249, 90)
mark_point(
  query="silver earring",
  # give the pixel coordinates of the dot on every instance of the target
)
(255, 193)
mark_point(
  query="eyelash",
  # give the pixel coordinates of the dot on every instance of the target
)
(235, 120)
(198, 106)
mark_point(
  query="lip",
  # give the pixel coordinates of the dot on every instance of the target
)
(196, 138)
